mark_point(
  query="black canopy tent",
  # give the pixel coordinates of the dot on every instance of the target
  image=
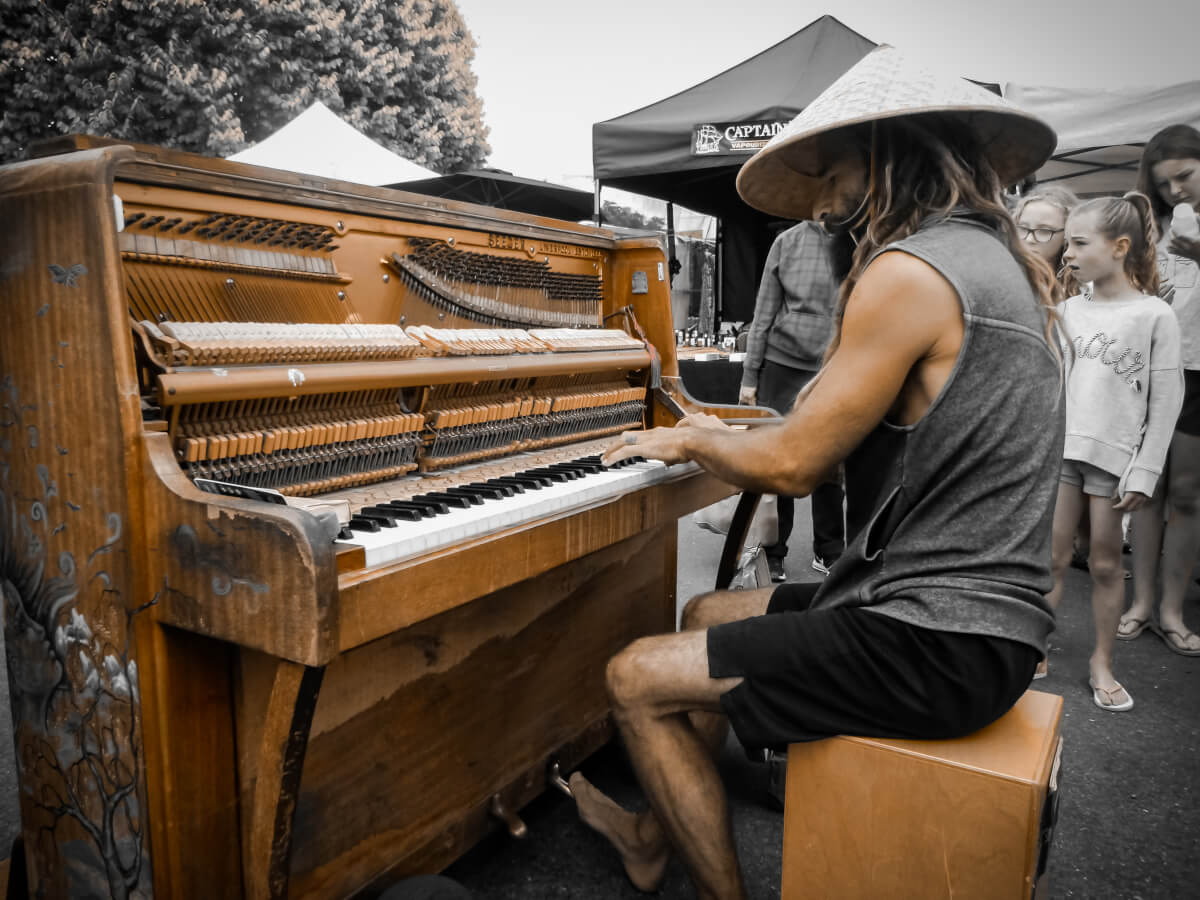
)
(495, 187)
(688, 148)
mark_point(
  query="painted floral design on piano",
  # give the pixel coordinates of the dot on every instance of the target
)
(73, 689)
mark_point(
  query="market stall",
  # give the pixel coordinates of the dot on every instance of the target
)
(319, 142)
(687, 149)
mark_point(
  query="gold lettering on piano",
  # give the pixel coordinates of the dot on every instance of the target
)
(557, 248)
(505, 241)
(568, 249)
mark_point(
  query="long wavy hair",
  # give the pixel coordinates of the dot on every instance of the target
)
(1131, 216)
(924, 168)
(1173, 142)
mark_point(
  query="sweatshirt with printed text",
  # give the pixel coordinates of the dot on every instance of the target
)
(1124, 386)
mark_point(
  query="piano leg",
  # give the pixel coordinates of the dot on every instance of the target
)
(280, 759)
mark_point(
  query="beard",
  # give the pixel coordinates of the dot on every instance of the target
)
(841, 221)
(842, 252)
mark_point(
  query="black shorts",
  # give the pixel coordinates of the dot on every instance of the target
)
(1189, 417)
(811, 674)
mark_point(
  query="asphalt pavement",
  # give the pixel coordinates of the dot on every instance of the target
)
(1129, 819)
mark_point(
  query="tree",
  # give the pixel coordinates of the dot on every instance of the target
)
(214, 77)
(616, 214)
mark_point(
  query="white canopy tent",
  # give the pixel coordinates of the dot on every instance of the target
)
(319, 142)
(1101, 132)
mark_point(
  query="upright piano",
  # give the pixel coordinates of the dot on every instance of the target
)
(309, 568)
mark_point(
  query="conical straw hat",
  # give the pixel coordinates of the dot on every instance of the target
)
(781, 179)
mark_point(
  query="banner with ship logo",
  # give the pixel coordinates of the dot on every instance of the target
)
(725, 138)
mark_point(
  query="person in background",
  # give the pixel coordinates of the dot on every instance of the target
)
(793, 322)
(1042, 221)
(1041, 216)
(1170, 176)
(1123, 392)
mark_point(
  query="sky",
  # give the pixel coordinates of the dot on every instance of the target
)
(548, 71)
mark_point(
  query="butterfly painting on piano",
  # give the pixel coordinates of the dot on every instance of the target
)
(67, 276)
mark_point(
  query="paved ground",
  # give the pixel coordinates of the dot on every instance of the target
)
(1129, 819)
(1129, 823)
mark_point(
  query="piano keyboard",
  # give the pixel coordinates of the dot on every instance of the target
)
(479, 501)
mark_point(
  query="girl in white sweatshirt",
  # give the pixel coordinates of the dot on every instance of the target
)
(1124, 387)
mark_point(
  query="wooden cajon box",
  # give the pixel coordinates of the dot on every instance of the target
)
(870, 818)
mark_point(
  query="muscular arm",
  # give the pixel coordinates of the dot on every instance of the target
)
(900, 336)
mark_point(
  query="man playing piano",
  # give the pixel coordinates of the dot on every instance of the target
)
(940, 400)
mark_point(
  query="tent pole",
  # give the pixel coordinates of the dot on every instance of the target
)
(673, 265)
(718, 273)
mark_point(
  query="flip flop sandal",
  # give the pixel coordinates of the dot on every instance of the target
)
(1139, 625)
(1100, 695)
(1176, 641)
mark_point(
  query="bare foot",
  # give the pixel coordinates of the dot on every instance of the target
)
(645, 860)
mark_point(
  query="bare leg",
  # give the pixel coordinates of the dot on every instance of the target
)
(637, 837)
(1108, 591)
(716, 608)
(1067, 511)
(1147, 547)
(1083, 535)
(668, 711)
(1181, 541)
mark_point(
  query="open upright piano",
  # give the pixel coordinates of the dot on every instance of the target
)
(309, 570)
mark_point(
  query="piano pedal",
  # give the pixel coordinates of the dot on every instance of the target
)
(511, 820)
(554, 776)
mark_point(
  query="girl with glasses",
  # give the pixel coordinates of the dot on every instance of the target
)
(1041, 221)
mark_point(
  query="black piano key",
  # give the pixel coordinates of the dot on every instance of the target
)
(588, 465)
(506, 490)
(553, 475)
(540, 480)
(463, 490)
(529, 482)
(490, 491)
(396, 512)
(448, 499)
(358, 523)
(384, 519)
(346, 534)
(423, 510)
(517, 484)
(627, 462)
(437, 507)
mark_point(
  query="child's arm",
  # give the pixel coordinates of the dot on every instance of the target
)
(1163, 402)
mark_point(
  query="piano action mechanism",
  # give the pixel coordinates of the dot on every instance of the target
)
(220, 695)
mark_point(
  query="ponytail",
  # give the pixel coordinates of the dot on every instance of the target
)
(1141, 263)
(1131, 216)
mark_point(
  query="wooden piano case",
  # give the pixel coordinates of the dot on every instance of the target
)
(209, 700)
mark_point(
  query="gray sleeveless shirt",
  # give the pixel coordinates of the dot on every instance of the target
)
(951, 516)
